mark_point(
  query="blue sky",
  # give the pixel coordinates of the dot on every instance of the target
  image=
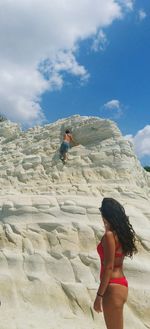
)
(92, 60)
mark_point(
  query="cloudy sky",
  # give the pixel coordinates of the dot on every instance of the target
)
(87, 57)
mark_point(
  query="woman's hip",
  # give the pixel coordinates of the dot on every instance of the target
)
(116, 294)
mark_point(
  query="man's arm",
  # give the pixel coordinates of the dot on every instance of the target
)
(73, 141)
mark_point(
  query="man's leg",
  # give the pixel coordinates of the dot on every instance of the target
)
(65, 156)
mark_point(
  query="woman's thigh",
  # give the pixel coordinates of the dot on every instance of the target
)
(113, 302)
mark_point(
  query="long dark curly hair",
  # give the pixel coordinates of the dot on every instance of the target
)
(115, 214)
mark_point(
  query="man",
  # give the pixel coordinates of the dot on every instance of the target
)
(65, 145)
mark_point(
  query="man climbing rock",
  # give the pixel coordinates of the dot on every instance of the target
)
(65, 145)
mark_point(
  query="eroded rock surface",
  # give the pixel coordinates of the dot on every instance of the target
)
(29, 161)
(50, 224)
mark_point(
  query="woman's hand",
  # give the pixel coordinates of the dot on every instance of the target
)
(98, 304)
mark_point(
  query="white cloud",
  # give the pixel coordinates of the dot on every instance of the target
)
(114, 104)
(115, 107)
(66, 62)
(100, 41)
(142, 14)
(141, 141)
(129, 138)
(128, 4)
(38, 43)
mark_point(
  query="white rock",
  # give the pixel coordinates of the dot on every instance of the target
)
(51, 225)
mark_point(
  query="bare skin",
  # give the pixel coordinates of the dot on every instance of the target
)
(113, 303)
(69, 139)
(114, 295)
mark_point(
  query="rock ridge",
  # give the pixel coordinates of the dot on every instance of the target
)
(29, 160)
(50, 223)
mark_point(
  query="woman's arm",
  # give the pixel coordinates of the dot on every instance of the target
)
(109, 255)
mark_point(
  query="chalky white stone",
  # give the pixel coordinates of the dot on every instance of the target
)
(50, 223)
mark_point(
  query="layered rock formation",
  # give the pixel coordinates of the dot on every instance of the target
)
(50, 223)
(29, 161)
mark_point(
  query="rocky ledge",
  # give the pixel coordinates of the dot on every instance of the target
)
(29, 160)
(50, 223)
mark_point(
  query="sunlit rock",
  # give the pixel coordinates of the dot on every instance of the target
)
(50, 223)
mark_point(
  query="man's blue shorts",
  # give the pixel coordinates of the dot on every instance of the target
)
(64, 147)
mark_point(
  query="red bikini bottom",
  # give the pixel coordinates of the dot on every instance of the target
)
(123, 281)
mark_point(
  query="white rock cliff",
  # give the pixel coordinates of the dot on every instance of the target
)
(50, 223)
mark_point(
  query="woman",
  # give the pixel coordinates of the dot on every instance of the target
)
(117, 242)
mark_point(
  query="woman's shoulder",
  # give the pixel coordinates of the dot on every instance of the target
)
(109, 237)
(109, 234)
